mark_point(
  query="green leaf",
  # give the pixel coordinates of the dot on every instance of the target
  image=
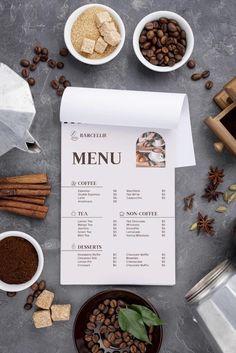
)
(131, 321)
(148, 316)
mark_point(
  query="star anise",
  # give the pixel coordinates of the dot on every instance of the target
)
(205, 224)
(211, 193)
(216, 175)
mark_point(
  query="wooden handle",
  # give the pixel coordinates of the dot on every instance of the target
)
(26, 179)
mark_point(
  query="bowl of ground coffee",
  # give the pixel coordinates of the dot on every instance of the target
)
(163, 41)
(21, 261)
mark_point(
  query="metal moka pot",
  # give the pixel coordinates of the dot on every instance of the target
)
(17, 112)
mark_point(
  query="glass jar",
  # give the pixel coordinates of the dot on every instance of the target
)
(213, 304)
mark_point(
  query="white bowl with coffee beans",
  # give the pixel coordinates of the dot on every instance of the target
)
(163, 41)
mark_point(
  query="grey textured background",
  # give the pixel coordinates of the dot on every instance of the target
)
(30, 22)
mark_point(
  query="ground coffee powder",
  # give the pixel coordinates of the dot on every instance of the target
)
(18, 260)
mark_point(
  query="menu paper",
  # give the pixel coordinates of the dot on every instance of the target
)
(117, 186)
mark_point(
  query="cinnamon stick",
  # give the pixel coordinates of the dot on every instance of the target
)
(23, 205)
(24, 212)
(4, 186)
(26, 179)
(24, 192)
(34, 200)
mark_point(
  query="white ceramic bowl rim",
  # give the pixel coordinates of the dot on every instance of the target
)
(67, 35)
(19, 287)
(155, 16)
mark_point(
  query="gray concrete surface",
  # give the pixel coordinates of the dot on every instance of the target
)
(24, 23)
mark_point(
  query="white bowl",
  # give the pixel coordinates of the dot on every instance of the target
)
(67, 35)
(19, 287)
(155, 16)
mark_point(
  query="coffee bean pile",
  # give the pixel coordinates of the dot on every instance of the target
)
(42, 55)
(103, 333)
(163, 42)
(199, 75)
(37, 289)
(60, 84)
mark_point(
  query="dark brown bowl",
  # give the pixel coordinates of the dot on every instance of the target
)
(128, 297)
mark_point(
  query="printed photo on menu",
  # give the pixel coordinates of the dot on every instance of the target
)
(117, 208)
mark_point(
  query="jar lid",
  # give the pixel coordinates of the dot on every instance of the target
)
(207, 280)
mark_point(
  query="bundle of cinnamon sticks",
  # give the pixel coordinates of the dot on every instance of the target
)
(25, 195)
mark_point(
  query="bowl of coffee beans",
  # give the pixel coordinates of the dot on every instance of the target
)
(117, 321)
(163, 41)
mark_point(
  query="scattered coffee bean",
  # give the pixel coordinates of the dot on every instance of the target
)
(11, 294)
(37, 293)
(42, 285)
(96, 311)
(43, 58)
(191, 64)
(27, 306)
(25, 73)
(64, 52)
(36, 59)
(62, 80)
(66, 83)
(44, 51)
(25, 63)
(196, 77)
(60, 91)
(34, 286)
(37, 50)
(55, 84)
(113, 303)
(52, 63)
(30, 299)
(205, 74)
(209, 85)
(91, 325)
(31, 81)
(60, 65)
(33, 67)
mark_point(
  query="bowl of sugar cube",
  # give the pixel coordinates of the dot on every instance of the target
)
(94, 34)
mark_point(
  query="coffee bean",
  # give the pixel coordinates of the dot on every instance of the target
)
(116, 324)
(171, 62)
(96, 311)
(105, 310)
(107, 322)
(31, 81)
(172, 27)
(90, 344)
(150, 35)
(178, 57)
(122, 345)
(118, 334)
(95, 338)
(100, 317)
(118, 341)
(36, 59)
(60, 65)
(25, 73)
(34, 286)
(121, 304)
(111, 311)
(88, 338)
(63, 52)
(95, 348)
(11, 294)
(33, 67)
(42, 285)
(209, 85)
(196, 77)
(92, 318)
(147, 45)
(25, 63)
(113, 318)
(142, 347)
(103, 329)
(30, 299)
(191, 63)
(44, 51)
(54, 84)
(91, 325)
(163, 20)
(67, 83)
(27, 306)
(37, 50)
(106, 343)
(111, 328)
(111, 337)
(101, 306)
(142, 39)
(133, 349)
(36, 293)
(149, 26)
(160, 33)
(205, 74)
(43, 58)
(52, 63)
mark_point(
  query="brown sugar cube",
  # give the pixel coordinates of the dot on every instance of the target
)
(107, 27)
(102, 17)
(100, 45)
(60, 312)
(42, 318)
(88, 46)
(112, 38)
(45, 299)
